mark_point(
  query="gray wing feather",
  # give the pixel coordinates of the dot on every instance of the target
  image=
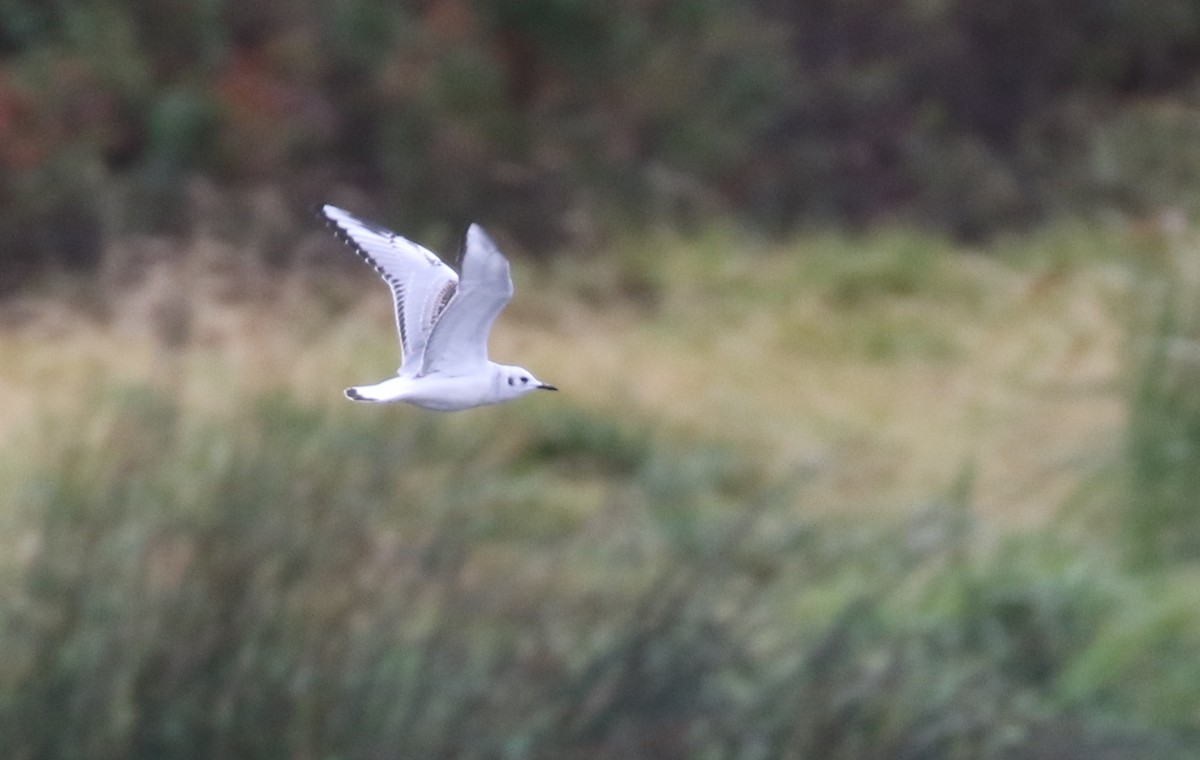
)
(458, 342)
(422, 285)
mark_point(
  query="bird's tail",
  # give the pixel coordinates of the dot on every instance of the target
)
(392, 389)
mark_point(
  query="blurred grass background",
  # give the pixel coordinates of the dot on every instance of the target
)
(877, 329)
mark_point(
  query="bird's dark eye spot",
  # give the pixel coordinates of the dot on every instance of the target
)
(524, 379)
(510, 381)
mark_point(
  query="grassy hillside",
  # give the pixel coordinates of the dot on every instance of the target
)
(884, 364)
(839, 498)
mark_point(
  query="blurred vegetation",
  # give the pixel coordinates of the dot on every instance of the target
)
(1163, 441)
(289, 582)
(196, 567)
(269, 577)
(560, 119)
(277, 578)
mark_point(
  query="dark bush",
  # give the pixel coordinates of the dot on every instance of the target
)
(557, 119)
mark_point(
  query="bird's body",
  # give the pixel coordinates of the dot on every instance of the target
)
(444, 393)
(443, 320)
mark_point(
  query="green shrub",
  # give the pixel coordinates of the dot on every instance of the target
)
(1162, 512)
(286, 582)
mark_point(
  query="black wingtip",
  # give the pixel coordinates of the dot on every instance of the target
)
(336, 225)
(353, 394)
(343, 234)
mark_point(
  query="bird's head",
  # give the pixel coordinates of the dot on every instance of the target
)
(517, 381)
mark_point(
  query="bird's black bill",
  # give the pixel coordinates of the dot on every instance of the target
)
(545, 387)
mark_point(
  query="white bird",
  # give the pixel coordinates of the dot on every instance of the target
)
(443, 320)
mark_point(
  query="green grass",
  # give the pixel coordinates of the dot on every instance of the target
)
(206, 553)
(1162, 515)
(308, 583)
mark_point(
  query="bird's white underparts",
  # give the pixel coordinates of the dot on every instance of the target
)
(443, 319)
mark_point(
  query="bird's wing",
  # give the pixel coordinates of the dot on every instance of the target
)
(422, 285)
(458, 343)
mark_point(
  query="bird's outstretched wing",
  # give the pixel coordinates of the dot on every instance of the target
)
(422, 285)
(458, 343)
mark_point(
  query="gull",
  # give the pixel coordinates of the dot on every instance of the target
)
(443, 319)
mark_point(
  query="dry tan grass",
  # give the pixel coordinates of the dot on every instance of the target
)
(1024, 390)
(885, 391)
